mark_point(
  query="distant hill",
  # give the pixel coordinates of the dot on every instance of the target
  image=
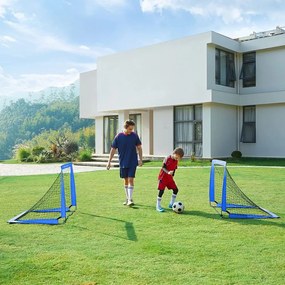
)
(51, 109)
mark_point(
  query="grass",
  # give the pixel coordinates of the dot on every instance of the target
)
(105, 242)
(230, 161)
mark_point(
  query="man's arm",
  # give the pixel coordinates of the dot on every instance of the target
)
(139, 148)
(111, 155)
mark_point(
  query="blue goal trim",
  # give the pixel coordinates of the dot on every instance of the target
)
(252, 216)
(54, 210)
(236, 206)
(35, 221)
(62, 210)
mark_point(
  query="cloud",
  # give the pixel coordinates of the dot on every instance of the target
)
(6, 40)
(4, 6)
(107, 3)
(45, 42)
(229, 12)
(25, 83)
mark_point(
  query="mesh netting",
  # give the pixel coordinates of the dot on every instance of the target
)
(237, 203)
(49, 206)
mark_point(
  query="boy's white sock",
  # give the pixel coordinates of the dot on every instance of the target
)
(126, 191)
(173, 197)
(158, 203)
(130, 192)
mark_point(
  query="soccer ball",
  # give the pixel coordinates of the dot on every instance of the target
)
(178, 207)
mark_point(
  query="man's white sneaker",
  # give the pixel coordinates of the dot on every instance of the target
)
(130, 203)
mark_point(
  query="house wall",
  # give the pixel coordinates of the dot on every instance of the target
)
(99, 135)
(223, 130)
(163, 131)
(88, 94)
(269, 72)
(167, 74)
(270, 133)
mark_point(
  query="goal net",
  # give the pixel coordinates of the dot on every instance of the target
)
(228, 198)
(56, 204)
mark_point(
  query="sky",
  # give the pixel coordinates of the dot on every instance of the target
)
(48, 43)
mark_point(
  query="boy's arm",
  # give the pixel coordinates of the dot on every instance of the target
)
(139, 148)
(164, 167)
(111, 155)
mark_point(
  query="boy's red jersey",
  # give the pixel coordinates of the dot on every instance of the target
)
(170, 164)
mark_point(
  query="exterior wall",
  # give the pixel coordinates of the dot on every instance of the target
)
(147, 132)
(163, 131)
(154, 76)
(270, 134)
(206, 123)
(269, 72)
(223, 121)
(99, 135)
(88, 94)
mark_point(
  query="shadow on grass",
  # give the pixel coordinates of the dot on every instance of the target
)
(265, 222)
(130, 230)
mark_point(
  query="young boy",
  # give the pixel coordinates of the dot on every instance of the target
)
(165, 177)
(129, 146)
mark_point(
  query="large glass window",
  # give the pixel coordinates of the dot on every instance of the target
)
(248, 134)
(137, 118)
(248, 71)
(188, 129)
(110, 131)
(225, 68)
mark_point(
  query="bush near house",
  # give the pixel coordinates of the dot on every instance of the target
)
(236, 154)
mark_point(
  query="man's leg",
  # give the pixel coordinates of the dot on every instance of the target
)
(126, 183)
(130, 191)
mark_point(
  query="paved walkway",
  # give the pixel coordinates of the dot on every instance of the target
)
(36, 169)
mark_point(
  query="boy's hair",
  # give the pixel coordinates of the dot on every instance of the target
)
(179, 151)
(129, 123)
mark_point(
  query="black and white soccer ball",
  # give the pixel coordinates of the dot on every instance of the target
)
(178, 207)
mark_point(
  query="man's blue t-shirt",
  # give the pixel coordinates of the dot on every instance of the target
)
(126, 145)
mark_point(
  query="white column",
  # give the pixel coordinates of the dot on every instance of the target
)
(207, 129)
(99, 135)
(123, 116)
(147, 132)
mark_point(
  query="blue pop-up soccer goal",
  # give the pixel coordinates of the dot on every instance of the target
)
(228, 198)
(56, 204)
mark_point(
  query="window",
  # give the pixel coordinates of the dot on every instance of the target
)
(188, 129)
(137, 118)
(225, 68)
(248, 71)
(110, 131)
(248, 134)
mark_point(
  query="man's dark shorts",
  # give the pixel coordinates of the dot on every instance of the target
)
(128, 172)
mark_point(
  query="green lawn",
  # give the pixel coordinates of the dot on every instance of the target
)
(104, 242)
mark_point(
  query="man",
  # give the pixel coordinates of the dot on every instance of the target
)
(129, 146)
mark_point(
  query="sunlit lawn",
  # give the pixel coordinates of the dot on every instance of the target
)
(105, 242)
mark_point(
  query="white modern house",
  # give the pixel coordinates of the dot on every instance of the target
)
(207, 93)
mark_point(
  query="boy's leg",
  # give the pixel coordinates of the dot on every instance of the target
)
(158, 201)
(173, 197)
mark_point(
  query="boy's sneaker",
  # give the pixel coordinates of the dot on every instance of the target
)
(126, 202)
(130, 203)
(160, 210)
(170, 206)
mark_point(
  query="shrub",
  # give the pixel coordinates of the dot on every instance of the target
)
(236, 154)
(85, 155)
(23, 154)
(37, 150)
(70, 147)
